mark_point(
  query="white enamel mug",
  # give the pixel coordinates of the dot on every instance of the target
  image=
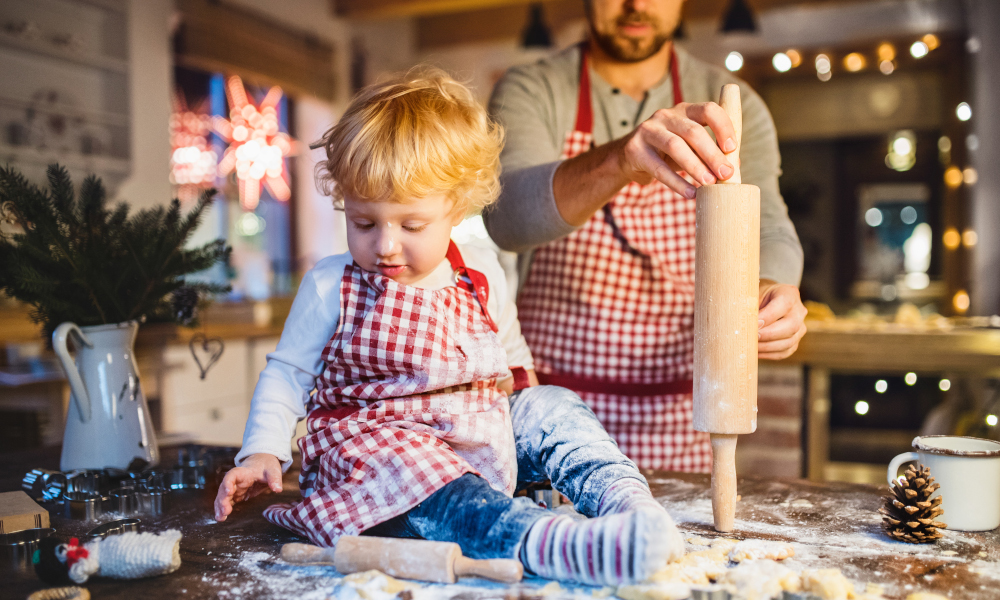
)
(968, 470)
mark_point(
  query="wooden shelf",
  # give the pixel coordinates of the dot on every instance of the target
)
(104, 63)
(98, 164)
(111, 5)
(965, 350)
(93, 116)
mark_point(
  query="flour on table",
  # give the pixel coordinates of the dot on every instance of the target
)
(372, 585)
(757, 549)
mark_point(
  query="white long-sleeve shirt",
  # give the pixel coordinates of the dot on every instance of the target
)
(283, 390)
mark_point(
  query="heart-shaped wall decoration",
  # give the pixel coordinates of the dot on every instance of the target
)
(206, 351)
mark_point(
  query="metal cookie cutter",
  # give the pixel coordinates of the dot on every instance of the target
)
(83, 506)
(87, 482)
(786, 595)
(153, 500)
(710, 592)
(544, 495)
(191, 472)
(125, 501)
(44, 485)
(16, 549)
(114, 528)
(140, 500)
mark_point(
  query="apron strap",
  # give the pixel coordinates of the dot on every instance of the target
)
(598, 386)
(584, 111)
(675, 76)
(521, 380)
(477, 283)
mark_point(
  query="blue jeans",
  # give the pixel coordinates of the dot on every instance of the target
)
(558, 438)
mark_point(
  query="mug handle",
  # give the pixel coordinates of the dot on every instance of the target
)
(59, 338)
(895, 463)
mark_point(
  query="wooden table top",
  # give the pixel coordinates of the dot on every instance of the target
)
(830, 525)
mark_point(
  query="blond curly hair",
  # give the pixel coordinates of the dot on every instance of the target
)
(415, 136)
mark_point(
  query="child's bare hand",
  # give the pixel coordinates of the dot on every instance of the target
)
(258, 473)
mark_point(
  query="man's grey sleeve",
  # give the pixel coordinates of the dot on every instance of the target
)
(780, 250)
(525, 216)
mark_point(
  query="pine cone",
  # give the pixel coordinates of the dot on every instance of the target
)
(909, 512)
(184, 302)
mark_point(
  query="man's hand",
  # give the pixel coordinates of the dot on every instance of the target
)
(781, 320)
(259, 473)
(670, 142)
(674, 140)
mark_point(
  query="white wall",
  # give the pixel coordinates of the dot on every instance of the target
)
(480, 65)
(150, 80)
(984, 25)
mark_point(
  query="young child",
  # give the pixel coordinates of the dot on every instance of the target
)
(406, 340)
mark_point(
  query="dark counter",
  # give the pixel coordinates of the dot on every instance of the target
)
(831, 525)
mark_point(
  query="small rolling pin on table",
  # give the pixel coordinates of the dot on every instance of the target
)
(439, 562)
(727, 266)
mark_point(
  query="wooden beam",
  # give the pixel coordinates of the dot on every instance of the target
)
(500, 23)
(496, 20)
(224, 38)
(388, 9)
(394, 9)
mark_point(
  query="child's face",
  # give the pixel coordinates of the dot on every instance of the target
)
(403, 240)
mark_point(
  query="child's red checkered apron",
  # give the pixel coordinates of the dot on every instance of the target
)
(608, 311)
(406, 404)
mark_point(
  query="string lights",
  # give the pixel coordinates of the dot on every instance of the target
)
(884, 58)
(192, 161)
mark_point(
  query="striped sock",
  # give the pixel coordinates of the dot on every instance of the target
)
(630, 494)
(612, 550)
(624, 495)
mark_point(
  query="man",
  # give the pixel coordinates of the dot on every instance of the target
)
(605, 145)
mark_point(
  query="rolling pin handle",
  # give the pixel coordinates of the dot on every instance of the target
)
(729, 100)
(504, 570)
(724, 481)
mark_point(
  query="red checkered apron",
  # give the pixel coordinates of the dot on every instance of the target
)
(608, 311)
(406, 404)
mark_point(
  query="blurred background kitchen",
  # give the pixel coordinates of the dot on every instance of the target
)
(885, 112)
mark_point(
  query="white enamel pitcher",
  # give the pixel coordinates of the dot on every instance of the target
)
(107, 424)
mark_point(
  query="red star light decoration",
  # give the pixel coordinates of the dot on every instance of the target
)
(257, 150)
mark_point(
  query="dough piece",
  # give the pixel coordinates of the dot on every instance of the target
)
(549, 589)
(724, 545)
(698, 568)
(828, 584)
(663, 590)
(757, 549)
(761, 580)
(926, 596)
(371, 585)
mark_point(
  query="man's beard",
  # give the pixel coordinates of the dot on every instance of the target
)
(627, 49)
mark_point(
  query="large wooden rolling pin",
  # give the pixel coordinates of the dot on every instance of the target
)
(440, 562)
(727, 271)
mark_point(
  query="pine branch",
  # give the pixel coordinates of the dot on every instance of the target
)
(77, 259)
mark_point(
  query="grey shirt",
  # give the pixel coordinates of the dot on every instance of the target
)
(536, 104)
